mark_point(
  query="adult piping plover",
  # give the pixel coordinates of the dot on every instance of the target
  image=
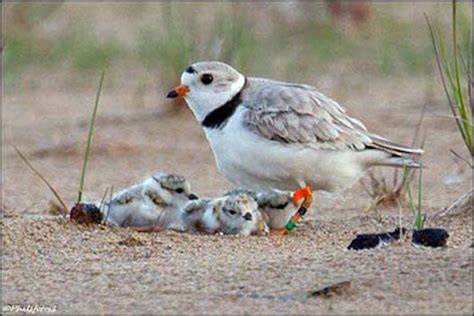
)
(236, 214)
(271, 135)
(156, 202)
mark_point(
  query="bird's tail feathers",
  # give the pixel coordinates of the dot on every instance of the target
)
(381, 143)
(395, 161)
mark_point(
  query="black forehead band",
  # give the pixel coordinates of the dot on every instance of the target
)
(191, 70)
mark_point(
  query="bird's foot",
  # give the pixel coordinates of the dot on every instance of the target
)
(281, 231)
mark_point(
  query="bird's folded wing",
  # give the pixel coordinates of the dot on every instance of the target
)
(299, 114)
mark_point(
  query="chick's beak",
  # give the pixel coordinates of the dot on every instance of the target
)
(179, 91)
(192, 196)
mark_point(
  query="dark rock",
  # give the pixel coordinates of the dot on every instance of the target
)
(430, 237)
(366, 241)
(84, 213)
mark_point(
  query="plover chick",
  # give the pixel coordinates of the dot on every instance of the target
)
(277, 208)
(231, 215)
(156, 202)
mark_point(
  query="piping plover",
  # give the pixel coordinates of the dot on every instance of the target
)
(156, 202)
(236, 214)
(272, 135)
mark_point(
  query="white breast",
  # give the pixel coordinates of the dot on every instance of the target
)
(247, 159)
(252, 161)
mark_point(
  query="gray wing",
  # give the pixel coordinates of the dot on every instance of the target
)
(299, 114)
(292, 113)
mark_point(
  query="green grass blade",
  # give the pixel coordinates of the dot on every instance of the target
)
(452, 87)
(458, 91)
(89, 139)
(419, 215)
(440, 66)
(406, 183)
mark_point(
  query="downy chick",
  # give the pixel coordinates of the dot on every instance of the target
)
(156, 202)
(276, 207)
(235, 214)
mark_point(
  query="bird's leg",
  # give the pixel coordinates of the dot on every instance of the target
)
(307, 195)
(303, 193)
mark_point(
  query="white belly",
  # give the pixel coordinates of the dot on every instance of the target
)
(251, 161)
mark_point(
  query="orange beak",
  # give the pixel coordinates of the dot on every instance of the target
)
(179, 91)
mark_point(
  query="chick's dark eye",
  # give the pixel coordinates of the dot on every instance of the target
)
(231, 212)
(179, 191)
(207, 78)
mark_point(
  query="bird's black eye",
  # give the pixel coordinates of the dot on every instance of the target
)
(179, 190)
(207, 78)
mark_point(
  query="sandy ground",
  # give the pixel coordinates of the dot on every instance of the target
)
(97, 269)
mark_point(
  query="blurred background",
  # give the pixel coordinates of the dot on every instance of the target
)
(147, 45)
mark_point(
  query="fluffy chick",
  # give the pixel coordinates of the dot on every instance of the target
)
(276, 207)
(235, 214)
(156, 202)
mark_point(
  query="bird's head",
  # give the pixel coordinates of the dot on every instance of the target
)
(208, 85)
(173, 189)
(239, 213)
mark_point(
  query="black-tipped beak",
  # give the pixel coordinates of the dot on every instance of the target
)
(180, 91)
(248, 216)
(172, 94)
(193, 197)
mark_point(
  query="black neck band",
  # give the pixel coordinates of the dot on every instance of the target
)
(218, 117)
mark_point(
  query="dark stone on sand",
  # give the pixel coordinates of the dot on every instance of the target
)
(367, 241)
(430, 237)
(84, 213)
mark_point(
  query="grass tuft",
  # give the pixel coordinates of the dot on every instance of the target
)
(89, 140)
(457, 86)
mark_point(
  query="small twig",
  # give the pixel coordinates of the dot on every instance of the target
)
(418, 126)
(469, 163)
(55, 193)
(89, 139)
(456, 117)
(110, 201)
(103, 199)
(457, 206)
